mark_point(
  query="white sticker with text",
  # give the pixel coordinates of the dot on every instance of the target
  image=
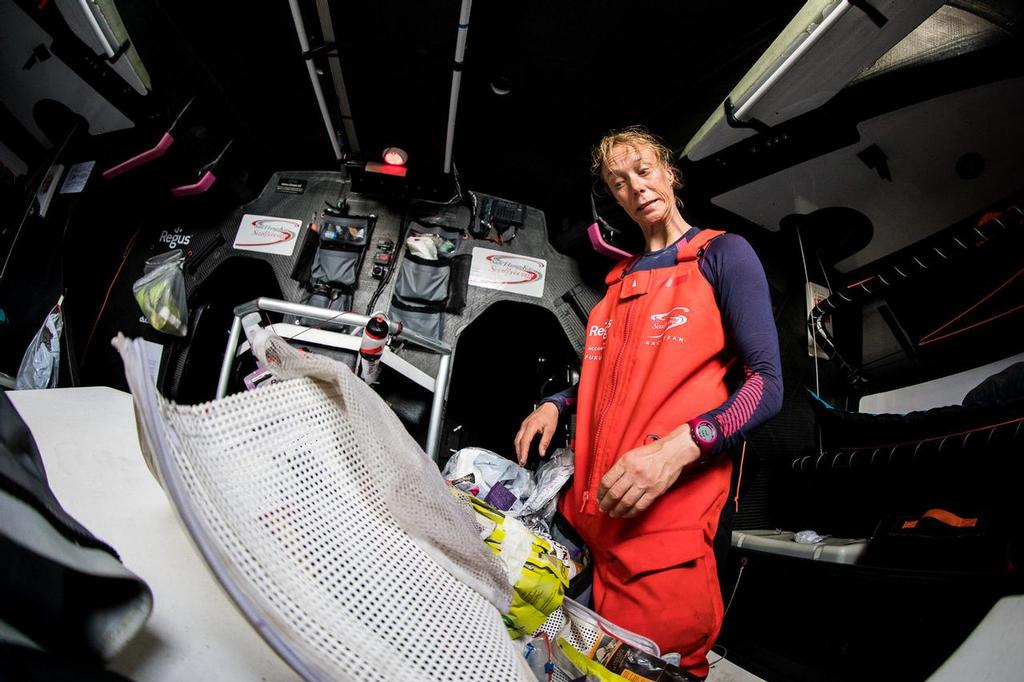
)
(503, 271)
(267, 234)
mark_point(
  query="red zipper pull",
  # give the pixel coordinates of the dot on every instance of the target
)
(586, 496)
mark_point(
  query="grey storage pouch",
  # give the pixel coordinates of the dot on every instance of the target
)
(452, 234)
(422, 282)
(334, 266)
(423, 320)
(331, 299)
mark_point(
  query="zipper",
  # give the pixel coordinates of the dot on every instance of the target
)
(608, 403)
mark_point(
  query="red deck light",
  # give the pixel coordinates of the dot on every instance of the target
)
(395, 156)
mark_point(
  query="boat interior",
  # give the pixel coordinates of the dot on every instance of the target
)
(285, 154)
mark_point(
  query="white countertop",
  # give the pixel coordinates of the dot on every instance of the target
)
(90, 448)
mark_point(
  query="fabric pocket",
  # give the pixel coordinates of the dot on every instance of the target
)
(422, 282)
(331, 299)
(426, 321)
(663, 582)
(656, 551)
(334, 266)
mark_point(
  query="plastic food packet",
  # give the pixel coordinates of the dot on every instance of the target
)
(160, 293)
(623, 659)
(40, 364)
(537, 575)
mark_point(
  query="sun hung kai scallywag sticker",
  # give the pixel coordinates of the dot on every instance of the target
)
(267, 234)
(503, 271)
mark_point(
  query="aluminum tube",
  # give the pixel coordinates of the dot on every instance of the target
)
(354, 319)
(229, 357)
(301, 310)
(437, 406)
(428, 342)
(744, 110)
(91, 18)
(453, 101)
(300, 30)
(327, 28)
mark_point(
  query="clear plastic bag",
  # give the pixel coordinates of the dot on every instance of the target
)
(40, 364)
(160, 293)
(500, 482)
(548, 480)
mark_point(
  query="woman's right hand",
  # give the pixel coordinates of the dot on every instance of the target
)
(543, 421)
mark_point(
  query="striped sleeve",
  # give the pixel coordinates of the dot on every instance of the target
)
(741, 289)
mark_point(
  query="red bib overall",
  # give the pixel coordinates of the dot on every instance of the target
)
(655, 356)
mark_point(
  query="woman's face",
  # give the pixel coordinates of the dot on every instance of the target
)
(640, 183)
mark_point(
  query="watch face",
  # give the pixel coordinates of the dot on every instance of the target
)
(705, 431)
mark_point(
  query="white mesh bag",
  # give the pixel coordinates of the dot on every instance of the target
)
(329, 527)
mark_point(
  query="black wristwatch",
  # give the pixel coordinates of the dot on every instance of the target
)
(705, 434)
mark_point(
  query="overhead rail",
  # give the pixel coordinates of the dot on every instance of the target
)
(453, 101)
(300, 30)
(323, 9)
(826, 45)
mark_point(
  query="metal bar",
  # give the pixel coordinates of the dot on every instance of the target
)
(95, 25)
(229, 357)
(353, 319)
(453, 101)
(300, 29)
(301, 310)
(437, 406)
(744, 109)
(327, 29)
(332, 339)
(427, 342)
(440, 387)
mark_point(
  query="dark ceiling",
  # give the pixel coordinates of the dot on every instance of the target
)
(573, 70)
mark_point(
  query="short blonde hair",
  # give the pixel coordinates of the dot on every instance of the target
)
(635, 137)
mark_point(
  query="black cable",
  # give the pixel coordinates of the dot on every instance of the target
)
(743, 566)
(721, 657)
(458, 199)
(400, 244)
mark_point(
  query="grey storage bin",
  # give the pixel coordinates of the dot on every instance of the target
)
(331, 299)
(423, 320)
(334, 266)
(452, 234)
(422, 281)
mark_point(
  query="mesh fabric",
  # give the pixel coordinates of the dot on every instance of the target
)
(329, 526)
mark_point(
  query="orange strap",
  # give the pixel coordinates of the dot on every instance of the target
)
(943, 516)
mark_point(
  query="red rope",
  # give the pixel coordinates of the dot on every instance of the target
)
(926, 339)
(106, 298)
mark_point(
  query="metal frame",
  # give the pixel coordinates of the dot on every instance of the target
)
(453, 101)
(314, 78)
(395, 329)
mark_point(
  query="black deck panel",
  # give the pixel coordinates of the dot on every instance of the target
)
(562, 274)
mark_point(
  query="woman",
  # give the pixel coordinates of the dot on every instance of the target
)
(655, 413)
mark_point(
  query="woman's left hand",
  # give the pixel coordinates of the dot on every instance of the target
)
(643, 474)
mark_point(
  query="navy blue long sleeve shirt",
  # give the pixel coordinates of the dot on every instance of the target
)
(741, 291)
